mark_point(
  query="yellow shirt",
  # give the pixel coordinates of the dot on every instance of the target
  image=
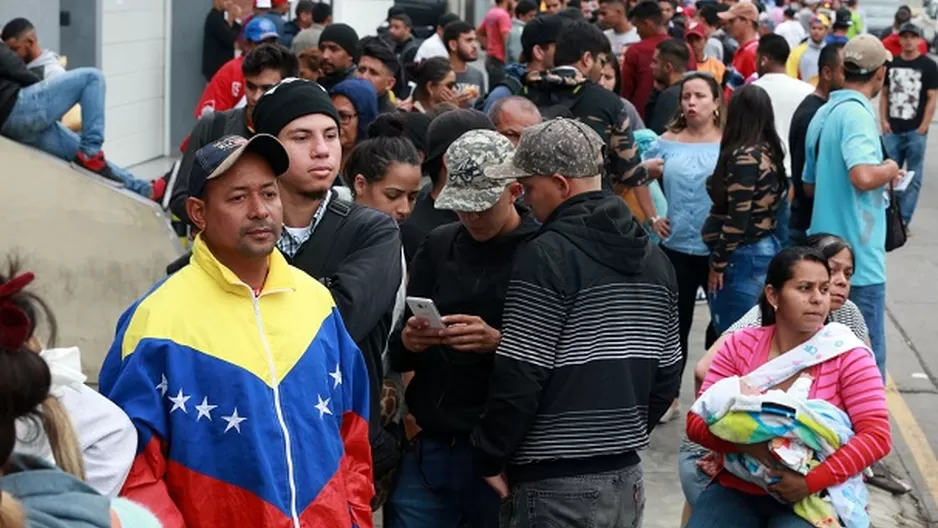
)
(714, 67)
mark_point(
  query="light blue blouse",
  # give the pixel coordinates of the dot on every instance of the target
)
(686, 169)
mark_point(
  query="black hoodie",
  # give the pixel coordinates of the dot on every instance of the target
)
(590, 358)
(13, 77)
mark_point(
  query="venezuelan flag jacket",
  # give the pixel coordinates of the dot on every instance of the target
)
(250, 410)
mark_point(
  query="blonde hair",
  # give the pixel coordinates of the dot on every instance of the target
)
(62, 438)
(11, 515)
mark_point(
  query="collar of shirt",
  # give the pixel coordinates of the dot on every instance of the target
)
(290, 243)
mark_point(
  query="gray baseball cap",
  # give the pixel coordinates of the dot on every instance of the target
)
(561, 146)
(468, 189)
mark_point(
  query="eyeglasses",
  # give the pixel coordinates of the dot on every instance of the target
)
(451, 86)
(346, 117)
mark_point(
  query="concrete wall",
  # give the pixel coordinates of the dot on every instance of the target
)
(80, 40)
(94, 249)
(186, 81)
(44, 14)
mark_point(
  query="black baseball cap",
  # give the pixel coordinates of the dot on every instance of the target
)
(909, 27)
(214, 159)
(446, 128)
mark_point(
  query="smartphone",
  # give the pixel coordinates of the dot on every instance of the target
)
(426, 309)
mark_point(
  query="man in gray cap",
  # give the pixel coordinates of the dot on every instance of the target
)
(589, 358)
(464, 267)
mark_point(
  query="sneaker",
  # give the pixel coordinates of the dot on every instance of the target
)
(98, 165)
(701, 295)
(158, 190)
(883, 479)
(673, 412)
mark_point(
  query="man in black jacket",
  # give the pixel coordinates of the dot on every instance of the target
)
(589, 358)
(218, 44)
(30, 112)
(570, 89)
(339, 46)
(263, 67)
(355, 251)
(464, 268)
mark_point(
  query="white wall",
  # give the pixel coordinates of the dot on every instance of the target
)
(363, 15)
(44, 14)
(133, 58)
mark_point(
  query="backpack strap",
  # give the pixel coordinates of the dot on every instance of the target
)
(324, 243)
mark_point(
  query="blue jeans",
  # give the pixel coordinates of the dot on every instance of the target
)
(871, 300)
(693, 479)
(35, 117)
(782, 219)
(743, 282)
(717, 504)
(439, 485)
(908, 148)
(613, 499)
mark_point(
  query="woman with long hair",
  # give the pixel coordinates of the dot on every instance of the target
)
(746, 189)
(684, 157)
(33, 487)
(436, 83)
(794, 352)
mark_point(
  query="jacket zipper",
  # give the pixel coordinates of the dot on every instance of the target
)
(283, 424)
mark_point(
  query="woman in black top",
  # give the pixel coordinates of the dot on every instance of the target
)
(746, 188)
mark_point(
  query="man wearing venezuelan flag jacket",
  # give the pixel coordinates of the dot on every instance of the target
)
(249, 397)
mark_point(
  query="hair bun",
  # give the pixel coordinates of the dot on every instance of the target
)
(387, 126)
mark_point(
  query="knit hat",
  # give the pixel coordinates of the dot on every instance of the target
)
(363, 97)
(291, 99)
(448, 127)
(344, 36)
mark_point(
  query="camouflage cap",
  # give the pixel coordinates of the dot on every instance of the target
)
(561, 146)
(467, 188)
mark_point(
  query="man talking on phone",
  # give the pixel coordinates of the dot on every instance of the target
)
(463, 268)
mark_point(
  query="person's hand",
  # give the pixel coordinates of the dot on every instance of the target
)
(895, 173)
(411, 429)
(234, 10)
(500, 484)
(923, 130)
(662, 227)
(463, 99)
(655, 168)
(759, 452)
(469, 333)
(715, 281)
(884, 124)
(405, 105)
(447, 94)
(417, 335)
(791, 485)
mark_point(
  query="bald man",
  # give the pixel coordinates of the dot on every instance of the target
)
(512, 115)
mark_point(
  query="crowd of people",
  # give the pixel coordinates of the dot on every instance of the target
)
(426, 294)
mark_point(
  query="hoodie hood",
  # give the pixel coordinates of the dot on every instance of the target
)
(516, 70)
(47, 58)
(52, 498)
(601, 225)
(363, 97)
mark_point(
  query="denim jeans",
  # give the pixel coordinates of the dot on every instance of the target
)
(693, 479)
(35, 117)
(718, 504)
(871, 300)
(614, 499)
(908, 148)
(743, 281)
(438, 485)
(782, 219)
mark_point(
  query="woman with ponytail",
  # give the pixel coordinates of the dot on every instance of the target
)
(33, 489)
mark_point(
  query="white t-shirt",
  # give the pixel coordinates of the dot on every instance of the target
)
(793, 32)
(621, 40)
(432, 47)
(786, 94)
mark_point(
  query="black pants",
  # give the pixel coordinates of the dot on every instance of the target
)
(692, 272)
(496, 70)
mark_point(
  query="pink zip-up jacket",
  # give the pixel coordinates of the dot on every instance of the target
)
(850, 381)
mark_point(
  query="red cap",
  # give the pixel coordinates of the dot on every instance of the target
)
(695, 28)
(278, 3)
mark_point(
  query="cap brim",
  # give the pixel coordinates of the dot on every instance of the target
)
(264, 36)
(468, 200)
(506, 171)
(264, 145)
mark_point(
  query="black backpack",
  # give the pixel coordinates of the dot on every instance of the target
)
(552, 103)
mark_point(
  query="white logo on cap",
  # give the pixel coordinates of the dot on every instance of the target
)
(230, 142)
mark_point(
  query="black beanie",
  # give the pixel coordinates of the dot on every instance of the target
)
(446, 128)
(344, 36)
(290, 99)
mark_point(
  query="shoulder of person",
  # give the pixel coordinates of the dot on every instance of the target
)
(369, 220)
(748, 154)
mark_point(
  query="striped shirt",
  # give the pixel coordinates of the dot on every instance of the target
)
(851, 381)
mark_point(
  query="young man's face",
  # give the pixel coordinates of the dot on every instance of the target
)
(398, 31)
(659, 70)
(818, 32)
(609, 15)
(697, 44)
(256, 85)
(315, 154)
(25, 46)
(334, 58)
(375, 72)
(667, 10)
(554, 6)
(909, 42)
(467, 47)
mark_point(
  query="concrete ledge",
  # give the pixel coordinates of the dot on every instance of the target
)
(94, 248)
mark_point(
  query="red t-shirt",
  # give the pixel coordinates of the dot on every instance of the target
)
(637, 81)
(494, 26)
(225, 89)
(744, 61)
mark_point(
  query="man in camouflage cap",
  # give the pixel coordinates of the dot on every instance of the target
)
(591, 308)
(485, 206)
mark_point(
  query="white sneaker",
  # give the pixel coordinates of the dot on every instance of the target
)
(673, 412)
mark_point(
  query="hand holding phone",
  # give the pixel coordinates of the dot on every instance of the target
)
(426, 309)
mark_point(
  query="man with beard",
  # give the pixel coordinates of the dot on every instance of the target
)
(460, 39)
(354, 250)
(263, 68)
(339, 46)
